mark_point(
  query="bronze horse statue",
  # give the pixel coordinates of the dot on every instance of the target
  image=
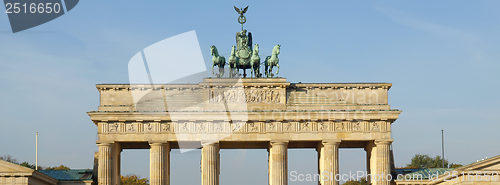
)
(255, 62)
(272, 61)
(218, 61)
(233, 61)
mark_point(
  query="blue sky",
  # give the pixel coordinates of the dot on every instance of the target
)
(441, 56)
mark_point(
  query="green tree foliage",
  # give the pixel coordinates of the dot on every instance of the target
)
(452, 165)
(28, 165)
(8, 158)
(60, 167)
(362, 181)
(11, 159)
(424, 161)
(133, 180)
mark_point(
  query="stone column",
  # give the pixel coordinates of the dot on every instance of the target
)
(210, 164)
(383, 169)
(116, 160)
(368, 150)
(329, 162)
(105, 164)
(278, 163)
(159, 164)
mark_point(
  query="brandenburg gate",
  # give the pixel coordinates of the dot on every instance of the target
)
(235, 112)
(247, 113)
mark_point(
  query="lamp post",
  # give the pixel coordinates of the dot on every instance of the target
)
(442, 146)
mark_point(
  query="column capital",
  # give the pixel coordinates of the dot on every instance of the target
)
(278, 142)
(383, 141)
(204, 143)
(104, 144)
(157, 143)
(331, 142)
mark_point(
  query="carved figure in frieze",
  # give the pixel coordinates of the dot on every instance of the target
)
(252, 127)
(200, 127)
(375, 126)
(322, 126)
(305, 126)
(287, 126)
(218, 127)
(130, 128)
(271, 126)
(340, 126)
(356, 126)
(185, 126)
(165, 127)
(113, 127)
(237, 127)
(148, 127)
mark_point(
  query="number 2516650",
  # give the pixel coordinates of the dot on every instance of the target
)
(32, 8)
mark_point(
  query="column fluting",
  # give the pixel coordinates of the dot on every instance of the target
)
(278, 163)
(210, 164)
(104, 164)
(159, 165)
(329, 162)
(383, 162)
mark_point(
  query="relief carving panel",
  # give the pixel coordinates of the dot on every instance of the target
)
(245, 96)
(243, 127)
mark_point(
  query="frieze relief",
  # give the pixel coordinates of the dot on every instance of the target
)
(185, 127)
(132, 127)
(306, 126)
(324, 126)
(289, 126)
(166, 127)
(245, 96)
(150, 127)
(272, 127)
(254, 127)
(238, 127)
(113, 127)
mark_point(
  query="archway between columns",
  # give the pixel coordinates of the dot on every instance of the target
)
(243, 165)
(303, 166)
